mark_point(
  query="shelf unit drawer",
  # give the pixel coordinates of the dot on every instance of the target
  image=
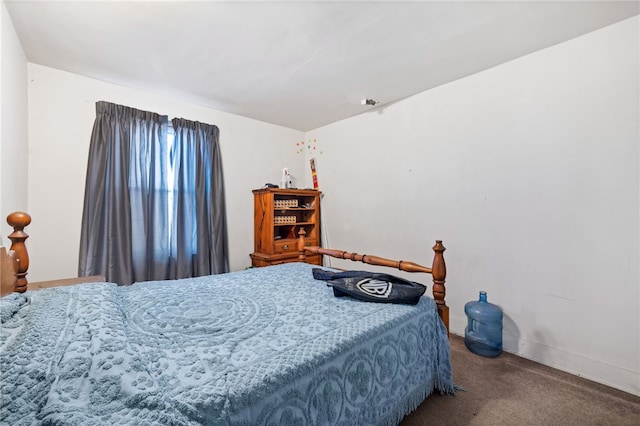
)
(285, 246)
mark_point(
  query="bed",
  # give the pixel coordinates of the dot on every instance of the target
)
(265, 345)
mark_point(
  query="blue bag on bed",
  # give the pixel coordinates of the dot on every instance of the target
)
(371, 286)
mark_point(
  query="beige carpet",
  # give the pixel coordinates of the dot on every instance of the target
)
(509, 390)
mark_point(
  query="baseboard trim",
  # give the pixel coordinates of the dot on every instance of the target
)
(610, 375)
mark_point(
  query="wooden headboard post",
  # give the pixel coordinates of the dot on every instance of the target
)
(438, 268)
(302, 257)
(439, 273)
(18, 221)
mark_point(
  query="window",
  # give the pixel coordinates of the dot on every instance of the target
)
(154, 202)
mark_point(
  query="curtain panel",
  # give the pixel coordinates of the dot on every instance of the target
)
(147, 200)
(199, 209)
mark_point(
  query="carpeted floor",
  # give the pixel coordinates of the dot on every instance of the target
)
(509, 390)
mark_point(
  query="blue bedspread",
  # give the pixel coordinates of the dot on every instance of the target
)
(262, 346)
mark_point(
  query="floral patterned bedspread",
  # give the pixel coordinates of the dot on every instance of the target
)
(261, 346)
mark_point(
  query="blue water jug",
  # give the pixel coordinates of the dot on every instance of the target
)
(483, 334)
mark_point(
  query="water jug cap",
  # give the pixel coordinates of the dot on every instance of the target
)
(483, 296)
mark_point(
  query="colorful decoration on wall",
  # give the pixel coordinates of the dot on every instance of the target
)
(309, 145)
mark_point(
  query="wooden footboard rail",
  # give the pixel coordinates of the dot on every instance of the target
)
(438, 268)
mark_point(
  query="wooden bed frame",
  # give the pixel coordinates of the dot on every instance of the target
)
(438, 268)
(15, 263)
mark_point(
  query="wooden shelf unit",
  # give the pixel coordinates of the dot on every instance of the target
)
(278, 216)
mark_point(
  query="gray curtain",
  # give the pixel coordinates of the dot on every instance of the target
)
(131, 224)
(199, 224)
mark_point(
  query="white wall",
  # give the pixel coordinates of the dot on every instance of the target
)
(13, 124)
(61, 116)
(529, 173)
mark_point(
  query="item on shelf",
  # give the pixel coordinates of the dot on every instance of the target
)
(314, 174)
(284, 220)
(287, 180)
(286, 204)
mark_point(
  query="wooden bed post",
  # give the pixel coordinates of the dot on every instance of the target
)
(18, 221)
(302, 257)
(439, 273)
(438, 268)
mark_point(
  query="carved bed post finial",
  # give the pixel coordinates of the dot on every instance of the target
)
(439, 273)
(302, 256)
(18, 221)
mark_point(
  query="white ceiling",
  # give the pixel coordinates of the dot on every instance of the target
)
(297, 64)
